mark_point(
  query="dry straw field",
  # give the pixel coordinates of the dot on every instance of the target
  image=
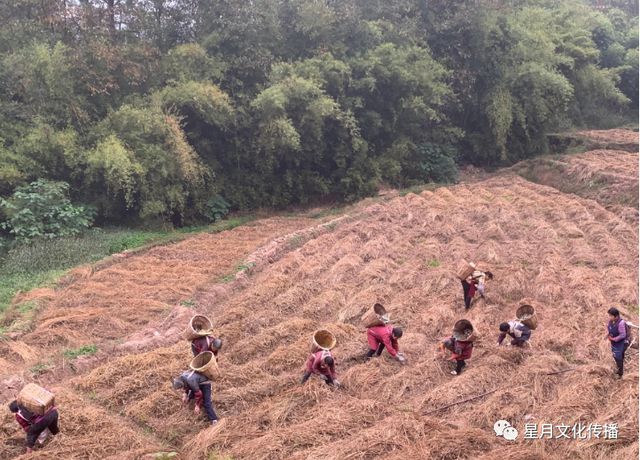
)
(570, 256)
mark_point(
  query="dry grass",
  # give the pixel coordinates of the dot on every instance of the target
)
(569, 257)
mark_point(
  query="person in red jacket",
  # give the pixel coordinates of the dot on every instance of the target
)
(34, 424)
(321, 363)
(206, 343)
(381, 337)
(460, 352)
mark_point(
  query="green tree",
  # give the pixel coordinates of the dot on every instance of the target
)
(42, 210)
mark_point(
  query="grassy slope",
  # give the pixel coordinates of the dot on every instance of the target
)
(43, 263)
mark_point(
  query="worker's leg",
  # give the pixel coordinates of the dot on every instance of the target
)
(465, 291)
(459, 366)
(373, 343)
(34, 430)
(518, 342)
(206, 400)
(53, 426)
(380, 349)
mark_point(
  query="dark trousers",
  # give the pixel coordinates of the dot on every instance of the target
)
(618, 356)
(50, 420)
(206, 401)
(467, 299)
(377, 352)
(460, 365)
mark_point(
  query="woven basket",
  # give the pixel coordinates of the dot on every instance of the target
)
(323, 340)
(376, 316)
(36, 399)
(465, 269)
(463, 331)
(199, 326)
(526, 314)
(206, 364)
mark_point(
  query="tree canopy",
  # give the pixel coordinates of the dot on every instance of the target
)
(154, 109)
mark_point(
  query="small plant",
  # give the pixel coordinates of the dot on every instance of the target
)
(245, 267)
(433, 263)
(84, 350)
(190, 303)
(40, 368)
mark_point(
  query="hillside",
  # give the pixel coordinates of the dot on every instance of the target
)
(571, 253)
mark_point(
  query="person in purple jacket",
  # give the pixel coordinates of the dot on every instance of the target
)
(617, 335)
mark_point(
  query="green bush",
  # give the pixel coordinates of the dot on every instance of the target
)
(217, 208)
(42, 210)
(437, 163)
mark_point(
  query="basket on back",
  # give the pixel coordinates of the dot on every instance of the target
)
(199, 326)
(526, 314)
(376, 316)
(323, 340)
(36, 399)
(465, 269)
(206, 364)
(463, 331)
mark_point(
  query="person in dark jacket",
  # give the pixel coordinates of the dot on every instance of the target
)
(206, 343)
(381, 337)
(33, 424)
(321, 363)
(617, 335)
(460, 351)
(519, 333)
(196, 386)
(469, 291)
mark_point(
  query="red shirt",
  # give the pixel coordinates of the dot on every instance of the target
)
(462, 350)
(315, 364)
(383, 334)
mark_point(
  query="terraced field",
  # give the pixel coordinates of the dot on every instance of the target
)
(570, 256)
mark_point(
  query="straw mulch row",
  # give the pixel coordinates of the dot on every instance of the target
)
(612, 136)
(109, 304)
(569, 257)
(608, 176)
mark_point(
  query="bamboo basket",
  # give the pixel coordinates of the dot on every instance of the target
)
(463, 331)
(376, 316)
(323, 340)
(465, 269)
(526, 314)
(199, 326)
(36, 399)
(206, 364)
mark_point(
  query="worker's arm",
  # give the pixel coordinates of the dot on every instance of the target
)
(622, 333)
(24, 423)
(388, 343)
(305, 377)
(501, 337)
(332, 371)
(194, 387)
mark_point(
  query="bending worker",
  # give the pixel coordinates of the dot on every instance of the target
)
(35, 425)
(381, 337)
(519, 333)
(321, 363)
(196, 387)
